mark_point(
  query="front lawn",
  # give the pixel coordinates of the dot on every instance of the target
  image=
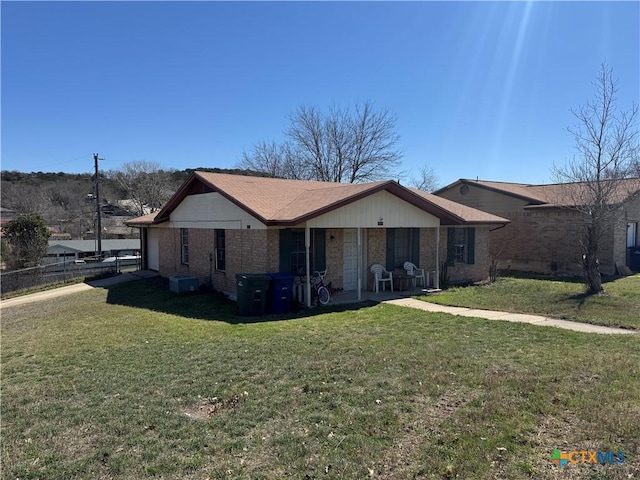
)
(618, 306)
(135, 382)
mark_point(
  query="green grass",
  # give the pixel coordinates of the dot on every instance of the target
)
(135, 382)
(618, 306)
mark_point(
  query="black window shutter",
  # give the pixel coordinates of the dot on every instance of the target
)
(320, 244)
(471, 238)
(451, 247)
(285, 250)
(415, 246)
(391, 246)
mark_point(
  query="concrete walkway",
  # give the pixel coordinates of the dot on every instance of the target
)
(75, 288)
(510, 317)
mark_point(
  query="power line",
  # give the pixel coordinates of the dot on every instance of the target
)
(42, 166)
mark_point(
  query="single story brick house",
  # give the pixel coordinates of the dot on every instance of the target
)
(217, 225)
(545, 232)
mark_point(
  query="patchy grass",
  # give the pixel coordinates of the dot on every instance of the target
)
(136, 382)
(618, 306)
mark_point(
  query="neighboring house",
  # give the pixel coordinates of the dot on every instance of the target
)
(545, 232)
(60, 250)
(218, 225)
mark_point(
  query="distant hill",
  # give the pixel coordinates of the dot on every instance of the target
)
(66, 200)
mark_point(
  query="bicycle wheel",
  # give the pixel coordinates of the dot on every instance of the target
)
(323, 295)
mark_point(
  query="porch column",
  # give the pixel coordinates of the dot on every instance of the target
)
(359, 266)
(437, 279)
(307, 245)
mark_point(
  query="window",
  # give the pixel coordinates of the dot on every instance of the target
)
(632, 234)
(298, 253)
(293, 254)
(403, 245)
(184, 245)
(460, 245)
(220, 250)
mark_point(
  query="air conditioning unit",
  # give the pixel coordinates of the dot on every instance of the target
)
(183, 284)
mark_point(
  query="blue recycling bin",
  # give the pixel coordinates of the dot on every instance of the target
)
(634, 259)
(281, 292)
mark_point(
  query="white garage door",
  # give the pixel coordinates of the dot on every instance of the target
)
(153, 249)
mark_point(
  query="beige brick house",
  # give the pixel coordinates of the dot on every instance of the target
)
(218, 225)
(545, 232)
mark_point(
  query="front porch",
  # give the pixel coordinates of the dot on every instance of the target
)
(351, 296)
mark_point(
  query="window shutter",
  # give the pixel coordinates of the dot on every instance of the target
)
(285, 250)
(391, 244)
(471, 238)
(415, 246)
(451, 247)
(319, 244)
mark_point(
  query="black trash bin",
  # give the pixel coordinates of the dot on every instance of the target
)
(252, 291)
(281, 292)
(634, 258)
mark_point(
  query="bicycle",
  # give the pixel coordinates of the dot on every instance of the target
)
(320, 289)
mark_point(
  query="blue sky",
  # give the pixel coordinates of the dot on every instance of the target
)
(479, 89)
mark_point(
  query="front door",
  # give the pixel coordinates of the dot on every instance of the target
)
(350, 272)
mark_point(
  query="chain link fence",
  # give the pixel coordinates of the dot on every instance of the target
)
(28, 278)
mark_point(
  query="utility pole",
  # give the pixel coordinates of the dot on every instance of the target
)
(98, 229)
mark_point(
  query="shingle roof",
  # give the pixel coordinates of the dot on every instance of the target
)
(147, 219)
(551, 195)
(90, 245)
(469, 214)
(288, 202)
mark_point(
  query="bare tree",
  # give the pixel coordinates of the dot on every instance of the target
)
(274, 160)
(594, 180)
(24, 198)
(144, 183)
(427, 179)
(344, 145)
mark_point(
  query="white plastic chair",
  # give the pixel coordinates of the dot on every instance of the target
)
(414, 272)
(381, 275)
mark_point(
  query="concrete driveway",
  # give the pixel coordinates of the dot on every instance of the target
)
(78, 287)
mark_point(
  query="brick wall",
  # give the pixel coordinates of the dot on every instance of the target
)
(169, 251)
(376, 252)
(257, 251)
(461, 272)
(428, 252)
(548, 241)
(247, 251)
(273, 250)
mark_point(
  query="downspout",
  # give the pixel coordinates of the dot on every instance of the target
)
(143, 253)
(307, 245)
(359, 263)
(437, 279)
